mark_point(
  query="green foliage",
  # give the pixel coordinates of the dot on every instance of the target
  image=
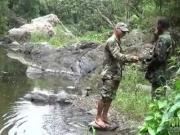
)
(26, 8)
(163, 114)
(130, 99)
(82, 14)
(95, 36)
(3, 18)
(39, 37)
(95, 15)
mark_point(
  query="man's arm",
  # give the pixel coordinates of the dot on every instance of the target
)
(116, 52)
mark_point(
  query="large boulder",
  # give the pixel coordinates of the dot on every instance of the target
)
(43, 24)
(76, 60)
(134, 44)
(51, 18)
(135, 37)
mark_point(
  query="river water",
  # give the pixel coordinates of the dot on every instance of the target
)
(21, 117)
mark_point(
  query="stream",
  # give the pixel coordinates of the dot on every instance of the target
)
(21, 117)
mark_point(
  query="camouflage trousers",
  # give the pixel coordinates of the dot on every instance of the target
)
(157, 79)
(109, 89)
(158, 83)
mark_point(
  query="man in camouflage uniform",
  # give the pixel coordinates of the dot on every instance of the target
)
(112, 73)
(156, 70)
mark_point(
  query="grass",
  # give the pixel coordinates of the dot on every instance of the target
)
(95, 36)
(62, 38)
(135, 105)
(130, 100)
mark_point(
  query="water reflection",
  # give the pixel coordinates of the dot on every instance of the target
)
(20, 117)
(26, 118)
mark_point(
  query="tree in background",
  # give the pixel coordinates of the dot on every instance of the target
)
(25, 8)
(94, 15)
(3, 18)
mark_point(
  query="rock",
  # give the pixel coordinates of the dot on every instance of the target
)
(70, 87)
(43, 25)
(63, 97)
(19, 34)
(15, 43)
(34, 70)
(135, 37)
(133, 44)
(6, 40)
(92, 112)
(51, 18)
(37, 97)
(34, 73)
(73, 61)
(49, 98)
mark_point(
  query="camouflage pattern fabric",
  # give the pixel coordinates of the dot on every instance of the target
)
(113, 65)
(156, 70)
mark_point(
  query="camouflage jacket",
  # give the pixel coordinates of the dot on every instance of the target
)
(161, 52)
(114, 59)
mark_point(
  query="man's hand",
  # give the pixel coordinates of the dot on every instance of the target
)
(135, 59)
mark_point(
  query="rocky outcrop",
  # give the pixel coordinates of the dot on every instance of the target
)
(43, 24)
(76, 60)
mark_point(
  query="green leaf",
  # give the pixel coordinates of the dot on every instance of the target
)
(149, 118)
(158, 115)
(162, 104)
(163, 126)
(151, 131)
(177, 84)
(177, 98)
(165, 117)
(153, 106)
(174, 107)
(160, 129)
(143, 128)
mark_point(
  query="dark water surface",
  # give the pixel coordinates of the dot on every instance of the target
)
(20, 117)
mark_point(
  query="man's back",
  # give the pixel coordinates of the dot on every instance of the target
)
(156, 72)
(162, 49)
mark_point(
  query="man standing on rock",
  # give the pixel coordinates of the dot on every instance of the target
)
(111, 74)
(156, 70)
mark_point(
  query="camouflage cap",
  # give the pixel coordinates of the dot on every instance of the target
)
(122, 26)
